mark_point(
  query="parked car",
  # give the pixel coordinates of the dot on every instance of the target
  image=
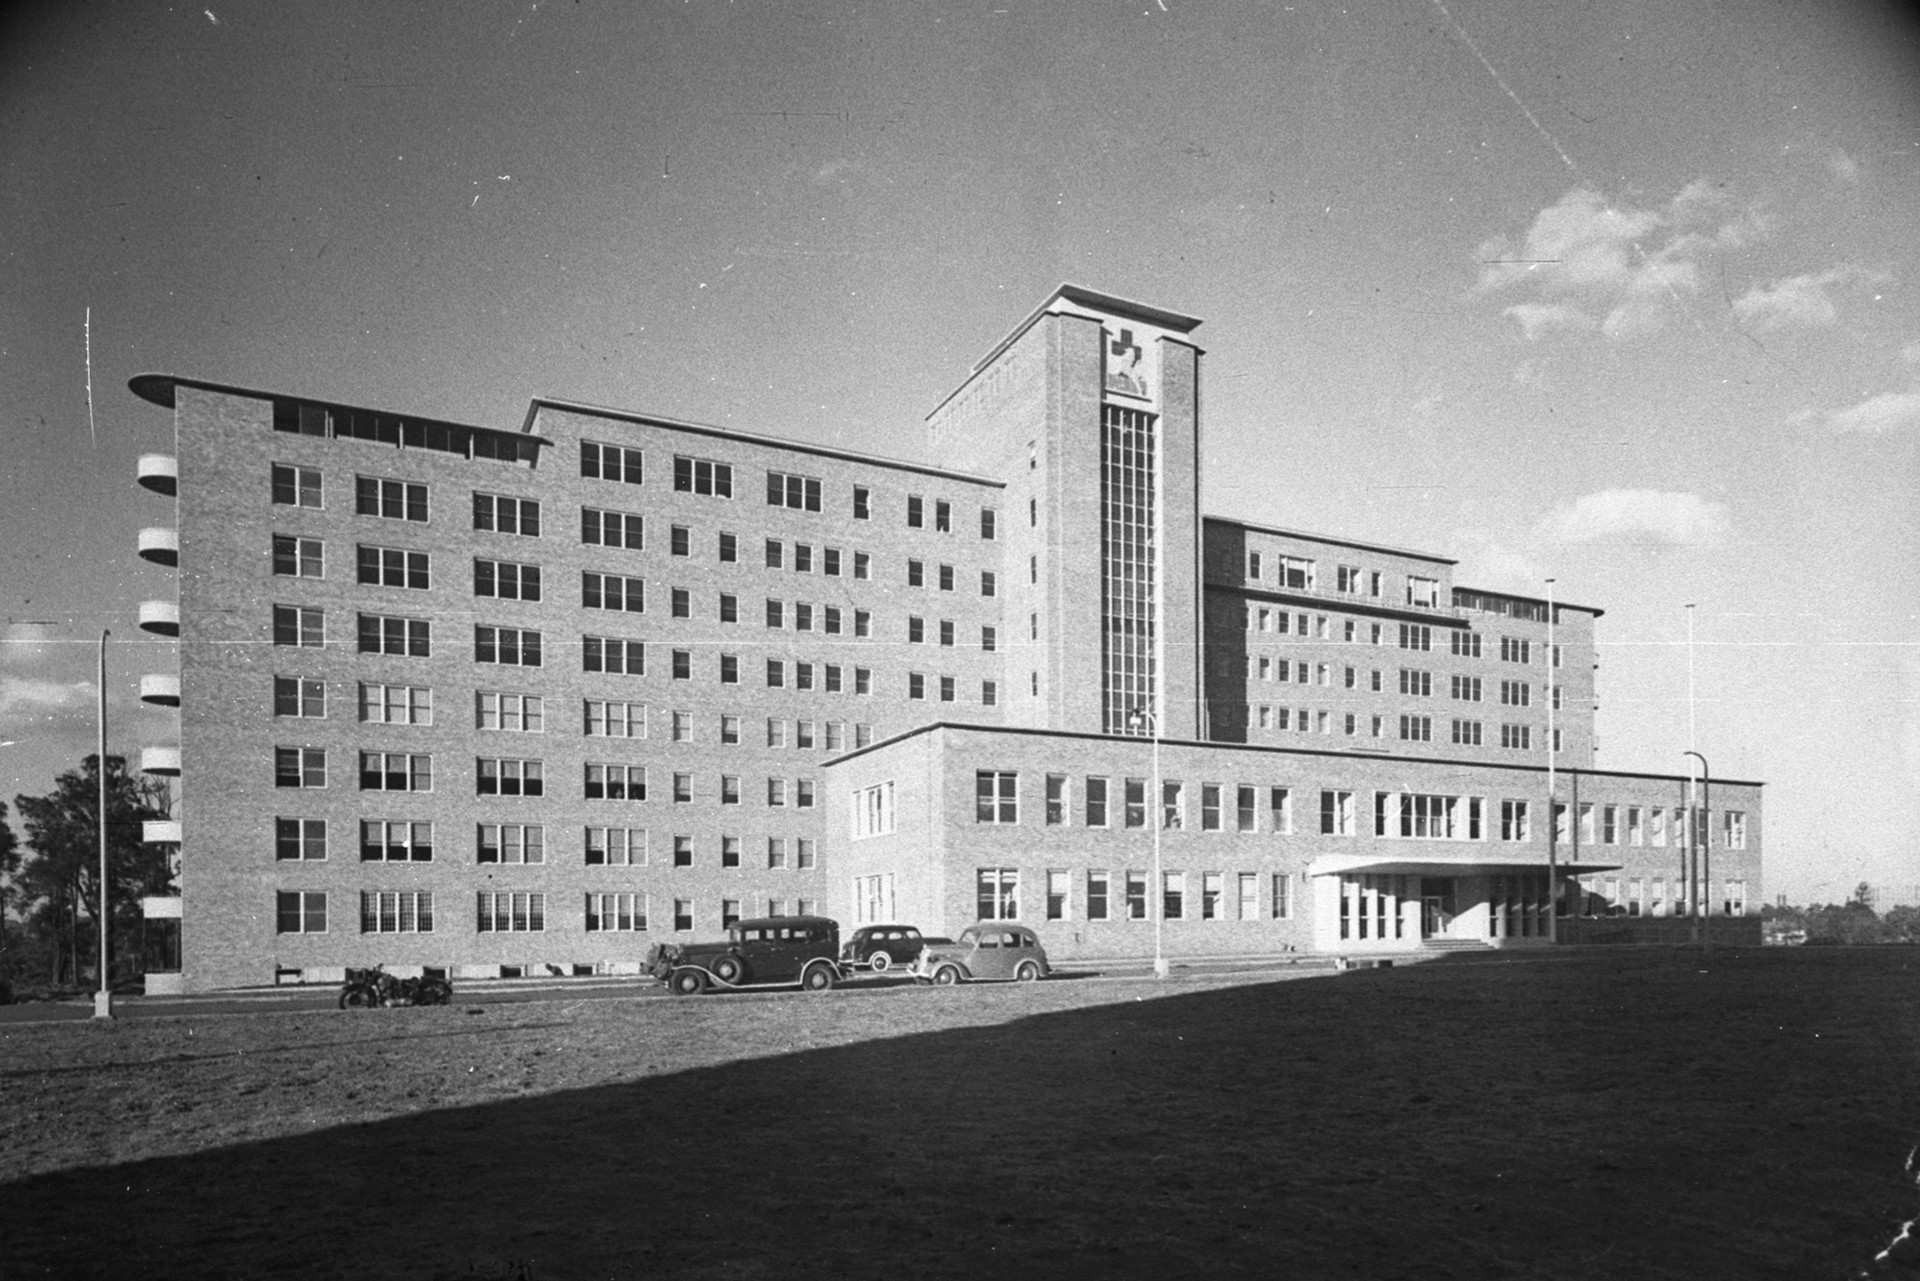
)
(989, 950)
(760, 950)
(881, 947)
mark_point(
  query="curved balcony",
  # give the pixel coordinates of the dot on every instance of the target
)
(161, 546)
(160, 473)
(161, 691)
(163, 761)
(160, 831)
(161, 617)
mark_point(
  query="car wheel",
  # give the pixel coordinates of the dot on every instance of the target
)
(880, 961)
(1028, 972)
(729, 969)
(947, 975)
(818, 978)
(687, 983)
(358, 998)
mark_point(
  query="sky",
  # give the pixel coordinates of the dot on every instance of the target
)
(1618, 294)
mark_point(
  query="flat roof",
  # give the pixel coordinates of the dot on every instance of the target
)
(159, 389)
(1216, 745)
(755, 438)
(1531, 600)
(1380, 548)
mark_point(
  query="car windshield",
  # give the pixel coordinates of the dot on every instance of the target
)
(968, 936)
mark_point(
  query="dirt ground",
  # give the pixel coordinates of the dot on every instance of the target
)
(1633, 1114)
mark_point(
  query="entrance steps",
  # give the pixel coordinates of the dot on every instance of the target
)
(1455, 945)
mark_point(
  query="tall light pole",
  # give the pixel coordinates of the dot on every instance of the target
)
(1700, 824)
(1690, 855)
(1144, 718)
(1553, 823)
(103, 999)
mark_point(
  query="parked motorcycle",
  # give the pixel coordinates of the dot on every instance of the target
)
(367, 988)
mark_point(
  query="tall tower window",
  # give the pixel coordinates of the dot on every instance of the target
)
(1128, 565)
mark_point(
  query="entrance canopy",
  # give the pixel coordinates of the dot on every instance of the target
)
(1447, 864)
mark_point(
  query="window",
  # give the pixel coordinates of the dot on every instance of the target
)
(1246, 809)
(987, 519)
(682, 661)
(776, 674)
(1347, 579)
(946, 631)
(1465, 644)
(612, 592)
(1736, 829)
(916, 630)
(611, 462)
(505, 580)
(1282, 896)
(729, 549)
(396, 912)
(1173, 805)
(942, 517)
(1515, 650)
(805, 859)
(1056, 808)
(299, 838)
(1416, 729)
(682, 789)
(946, 578)
(729, 669)
(1517, 737)
(611, 654)
(1096, 807)
(803, 558)
(776, 614)
(862, 565)
(916, 511)
(616, 912)
(383, 634)
(296, 486)
(299, 696)
(1422, 593)
(777, 793)
(384, 841)
(1096, 896)
(301, 911)
(299, 767)
(1515, 694)
(1416, 636)
(776, 554)
(730, 730)
(616, 846)
(776, 853)
(1513, 821)
(995, 798)
(511, 911)
(1610, 825)
(1211, 884)
(1136, 896)
(1465, 688)
(916, 573)
(729, 852)
(297, 626)
(681, 603)
(299, 557)
(682, 724)
(862, 503)
(986, 582)
(1336, 813)
(802, 493)
(396, 772)
(507, 646)
(873, 810)
(946, 689)
(1253, 564)
(620, 529)
(616, 782)
(998, 893)
(862, 623)
(702, 476)
(603, 719)
(682, 915)
(916, 685)
(1466, 733)
(1210, 807)
(989, 693)
(391, 499)
(1136, 802)
(504, 515)
(862, 683)
(1296, 573)
(1417, 683)
(729, 789)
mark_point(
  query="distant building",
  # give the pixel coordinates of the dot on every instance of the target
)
(529, 700)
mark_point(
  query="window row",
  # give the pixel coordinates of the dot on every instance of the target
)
(412, 841)
(503, 911)
(1125, 895)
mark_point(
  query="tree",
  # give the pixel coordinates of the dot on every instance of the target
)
(60, 883)
(9, 870)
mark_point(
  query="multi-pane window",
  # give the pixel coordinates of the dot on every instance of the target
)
(729, 549)
(604, 719)
(506, 580)
(395, 704)
(1282, 896)
(612, 591)
(1465, 644)
(503, 911)
(873, 813)
(1136, 896)
(1210, 817)
(513, 713)
(616, 846)
(946, 631)
(395, 841)
(946, 578)
(396, 772)
(995, 796)
(387, 634)
(916, 511)
(294, 625)
(946, 689)
(1135, 814)
(702, 476)
(1422, 593)
(611, 462)
(1415, 682)
(998, 893)
(392, 567)
(1246, 808)
(507, 646)
(1173, 805)
(942, 516)
(506, 776)
(681, 603)
(1416, 636)
(300, 911)
(1736, 827)
(299, 557)
(299, 838)
(396, 911)
(1514, 649)
(1465, 688)
(615, 529)
(1280, 805)
(616, 911)
(612, 654)
(1096, 802)
(802, 493)
(916, 573)
(1097, 896)
(301, 696)
(1515, 694)
(683, 915)
(511, 843)
(392, 499)
(1059, 908)
(296, 486)
(1513, 821)
(1296, 573)
(1336, 813)
(1466, 733)
(1517, 737)
(299, 767)
(862, 503)
(1416, 729)
(616, 782)
(502, 514)
(1056, 801)
(987, 522)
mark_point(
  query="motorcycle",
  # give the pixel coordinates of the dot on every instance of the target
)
(367, 988)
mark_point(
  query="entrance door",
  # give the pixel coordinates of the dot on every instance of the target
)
(1437, 906)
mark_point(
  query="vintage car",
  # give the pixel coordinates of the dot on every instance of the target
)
(759, 951)
(881, 947)
(989, 950)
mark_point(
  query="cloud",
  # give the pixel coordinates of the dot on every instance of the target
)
(1640, 515)
(24, 644)
(1878, 415)
(26, 695)
(1796, 300)
(1586, 256)
(1489, 564)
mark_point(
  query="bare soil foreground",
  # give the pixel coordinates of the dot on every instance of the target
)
(1633, 1114)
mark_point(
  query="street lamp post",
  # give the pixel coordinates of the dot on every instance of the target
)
(1553, 820)
(103, 999)
(1143, 718)
(1700, 835)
